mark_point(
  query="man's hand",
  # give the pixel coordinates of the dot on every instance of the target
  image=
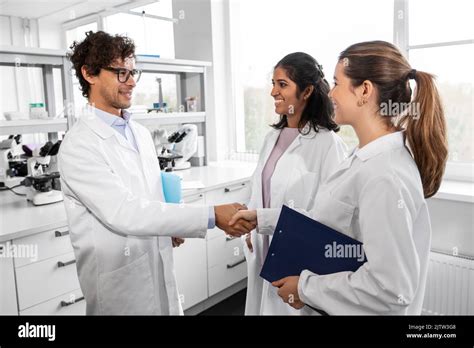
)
(225, 212)
(288, 291)
(177, 241)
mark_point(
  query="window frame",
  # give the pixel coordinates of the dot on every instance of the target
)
(457, 171)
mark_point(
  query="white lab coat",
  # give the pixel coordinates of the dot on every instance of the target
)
(298, 173)
(119, 226)
(376, 197)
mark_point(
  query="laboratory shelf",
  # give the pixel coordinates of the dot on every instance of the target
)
(33, 126)
(169, 118)
(150, 64)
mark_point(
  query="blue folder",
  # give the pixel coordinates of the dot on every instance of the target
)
(171, 184)
(301, 243)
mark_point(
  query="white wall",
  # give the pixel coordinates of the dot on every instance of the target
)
(50, 35)
(452, 226)
(201, 35)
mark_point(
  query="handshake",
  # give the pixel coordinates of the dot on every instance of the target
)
(235, 219)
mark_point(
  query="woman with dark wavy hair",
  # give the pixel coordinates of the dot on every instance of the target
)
(298, 154)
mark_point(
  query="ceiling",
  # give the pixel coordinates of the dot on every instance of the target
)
(61, 10)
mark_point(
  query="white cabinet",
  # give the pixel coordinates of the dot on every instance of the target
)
(71, 303)
(190, 265)
(44, 280)
(47, 283)
(226, 262)
(8, 304)
(225, 258)
(205, 267)
(48, 244)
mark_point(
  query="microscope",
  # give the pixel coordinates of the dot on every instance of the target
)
(12, 165)
(43, 184)
(178, 148)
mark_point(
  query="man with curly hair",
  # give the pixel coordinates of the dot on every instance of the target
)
(121, 229)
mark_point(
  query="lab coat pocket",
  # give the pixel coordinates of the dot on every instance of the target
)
(335, 213)
(128, 290)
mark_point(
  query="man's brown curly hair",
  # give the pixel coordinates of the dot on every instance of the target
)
(98, 50)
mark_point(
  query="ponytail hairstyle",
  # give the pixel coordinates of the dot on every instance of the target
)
(305, 71)
(383, 64)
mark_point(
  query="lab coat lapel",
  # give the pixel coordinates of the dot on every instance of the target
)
(271, 141)
(306, 133)
(294, 145)
(143, 152)
(123, 142)
(283, 171)
(268, 146)
(104, 130)
(284, 168)
(343, 166)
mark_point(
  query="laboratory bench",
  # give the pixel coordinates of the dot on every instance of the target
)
(207, 270)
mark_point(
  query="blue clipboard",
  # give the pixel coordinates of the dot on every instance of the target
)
(301, 243)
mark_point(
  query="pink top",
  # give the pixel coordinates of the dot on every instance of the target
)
(286, 137)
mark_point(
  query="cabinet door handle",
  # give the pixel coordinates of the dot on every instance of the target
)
(64, 264)
(60, 234)
(195, 199)
(68, 303)
(236, 263)
(236, 188)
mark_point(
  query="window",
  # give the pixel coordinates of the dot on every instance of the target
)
(78, 34)
(151, 36)
(264, 31)
(146, 92)
(448, 54)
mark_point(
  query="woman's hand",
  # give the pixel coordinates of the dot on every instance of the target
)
(247, 215)
(288, 291)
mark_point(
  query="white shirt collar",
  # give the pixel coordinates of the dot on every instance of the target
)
(379, 145)
(111, 119)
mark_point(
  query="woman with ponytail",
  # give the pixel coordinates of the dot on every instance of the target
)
(377, 195)
(300, 152)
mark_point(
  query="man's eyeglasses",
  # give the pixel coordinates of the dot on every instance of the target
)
(124, 74)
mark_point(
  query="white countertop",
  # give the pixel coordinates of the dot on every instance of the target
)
(20, 218)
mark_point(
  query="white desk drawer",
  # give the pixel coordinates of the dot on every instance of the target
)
(72, 303)
(239, 193)
(223, 249)
(48, 244)
(42, 281)
(198, 198)
(224, 275)
(190, 267)
(7, 287)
